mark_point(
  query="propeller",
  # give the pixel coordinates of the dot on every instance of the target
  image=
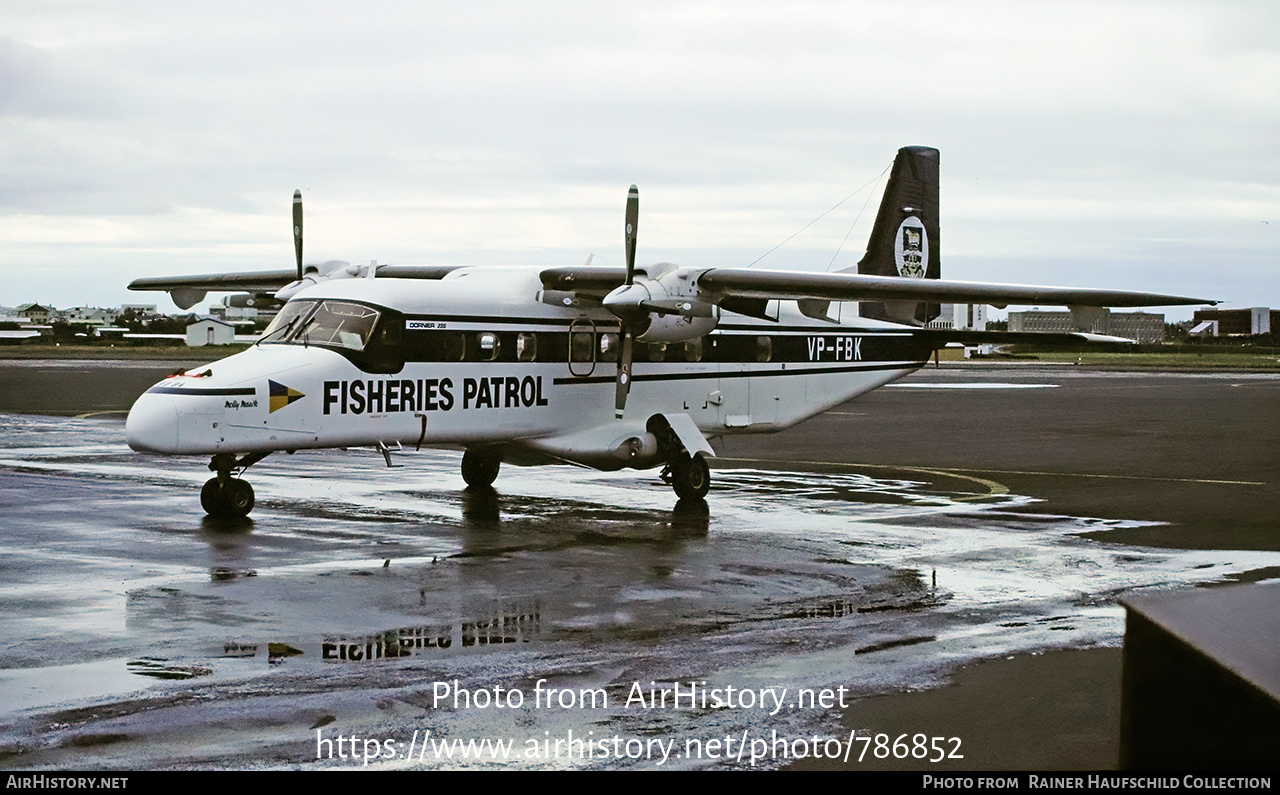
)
(297, 229)
(623, 385)
(287, 292)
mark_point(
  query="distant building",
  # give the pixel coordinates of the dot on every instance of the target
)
(1144, 327)
(15, 328)
(210, 331)
(233, 312)
(1255, 320)
(962, 317)
(88, 316)
(36, 313)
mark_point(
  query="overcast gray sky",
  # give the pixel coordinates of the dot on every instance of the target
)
(1109, 144)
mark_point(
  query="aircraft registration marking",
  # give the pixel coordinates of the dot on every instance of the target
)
(845, 348)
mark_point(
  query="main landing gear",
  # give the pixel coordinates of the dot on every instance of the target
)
(688, 475)
(480, 468)
(224, 496)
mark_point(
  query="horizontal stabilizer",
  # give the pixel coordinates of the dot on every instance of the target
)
(1087, 337)
(939, 338)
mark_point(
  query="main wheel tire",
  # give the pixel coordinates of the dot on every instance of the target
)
(229, 499)
(239, 497)
(212, 498)
(690, 477)
(480, 469)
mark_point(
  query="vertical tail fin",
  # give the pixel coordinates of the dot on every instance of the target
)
(904, 240)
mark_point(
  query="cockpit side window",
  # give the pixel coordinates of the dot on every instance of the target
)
(338, 324)
(286, 321)
(370, 337)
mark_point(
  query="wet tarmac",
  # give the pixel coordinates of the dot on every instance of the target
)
(969, 514)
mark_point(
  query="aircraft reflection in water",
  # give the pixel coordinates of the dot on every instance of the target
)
(603, 367)
(551, 571)
(511, 624)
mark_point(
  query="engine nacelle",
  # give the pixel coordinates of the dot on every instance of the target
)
(604, 448)
(674, 313)
(250, 300)
(677, 328)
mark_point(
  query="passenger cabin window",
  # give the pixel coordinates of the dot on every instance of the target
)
(526, 347)
(581, 346)
(693, 350)
(453, 346)
(489, 345)
(764, 349)
(608, 347)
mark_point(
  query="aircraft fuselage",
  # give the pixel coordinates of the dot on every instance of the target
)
(476, 359)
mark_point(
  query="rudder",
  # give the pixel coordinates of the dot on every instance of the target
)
(904, 240)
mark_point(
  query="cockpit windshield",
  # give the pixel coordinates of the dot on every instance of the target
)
(333, 324)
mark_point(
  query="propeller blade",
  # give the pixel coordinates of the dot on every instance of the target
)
(297, 229)
(623, 384)
(633, 220)
(624, 374)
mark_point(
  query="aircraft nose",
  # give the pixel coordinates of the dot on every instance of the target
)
(152, 426)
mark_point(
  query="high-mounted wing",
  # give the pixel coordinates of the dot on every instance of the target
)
(898, 279)
(187, 291)
(859, 287)
(715, 284)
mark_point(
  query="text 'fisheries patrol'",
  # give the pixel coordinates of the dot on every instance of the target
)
(385, 396)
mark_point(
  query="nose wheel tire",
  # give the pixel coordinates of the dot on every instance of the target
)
(480, 469)
(231, 498)
(690, 477)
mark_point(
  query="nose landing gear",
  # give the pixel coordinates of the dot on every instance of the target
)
(224, 496)
(480, 468)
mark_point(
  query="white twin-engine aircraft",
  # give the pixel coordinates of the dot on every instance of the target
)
(605, 367)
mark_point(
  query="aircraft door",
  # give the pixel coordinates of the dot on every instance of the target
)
(745, 398)
(766, 390)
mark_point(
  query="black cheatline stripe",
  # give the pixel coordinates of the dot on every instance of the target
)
(606, 323)
(608, 379)
(195, 390)
(817, 331)
(528, 321)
